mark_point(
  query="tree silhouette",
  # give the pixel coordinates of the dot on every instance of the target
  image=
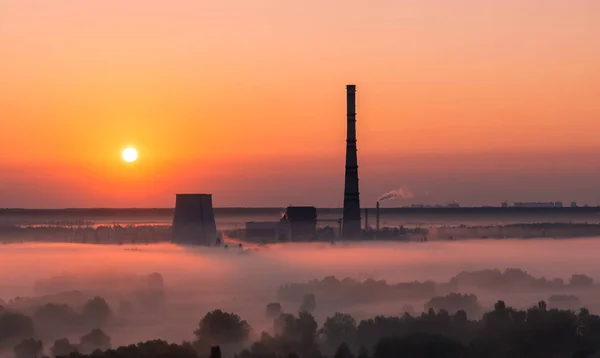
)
(454, 302)
(274, 309)
(215, 352)
(343, 351)
(363, 352)
(14, 326)
(295, 334)
(96, 312)
(502, 332)
(309, 303)
(62, 347)
(94, 340)
(155, 281)
(565, 302)
(56, 319)
(338, 329)
(579, 280)
(419, 346)
(219, 328)
(29, 348)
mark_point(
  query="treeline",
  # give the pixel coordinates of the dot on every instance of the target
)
(501, 332)
(27, 322)
(350, 290)
(146, 292)
(521, 230)
(51, 320)
(105, 234)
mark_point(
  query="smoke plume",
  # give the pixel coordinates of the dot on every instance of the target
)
(402, 193)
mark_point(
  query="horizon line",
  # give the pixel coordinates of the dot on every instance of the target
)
(284, 207)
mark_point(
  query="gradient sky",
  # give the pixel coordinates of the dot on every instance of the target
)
(477, 101)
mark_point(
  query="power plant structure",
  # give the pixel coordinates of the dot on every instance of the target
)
(194, 220)
(351, 221)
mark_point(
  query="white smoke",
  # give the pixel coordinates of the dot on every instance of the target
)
(401, 193)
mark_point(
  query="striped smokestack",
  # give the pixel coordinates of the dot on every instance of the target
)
(351, 222)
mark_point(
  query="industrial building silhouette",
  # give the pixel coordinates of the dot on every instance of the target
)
(194, 220)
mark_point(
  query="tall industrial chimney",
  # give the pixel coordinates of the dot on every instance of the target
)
(351, 222)
(377, 216)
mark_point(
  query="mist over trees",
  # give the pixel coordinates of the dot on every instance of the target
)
(14, 326)
(219, 328)
(313, 320)
(95, 340)
(339, 329)
(274, 309)
(29, 348)
(63, 347)
(455, 302)
(96, 311)
(309, 303)
(331, 290)
(501, 332)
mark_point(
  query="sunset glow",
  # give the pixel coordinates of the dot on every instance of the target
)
(246, 100)
(309, 178)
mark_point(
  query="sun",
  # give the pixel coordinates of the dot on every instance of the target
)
(130, 155)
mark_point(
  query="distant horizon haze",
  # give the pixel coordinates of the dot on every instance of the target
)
(471, 179)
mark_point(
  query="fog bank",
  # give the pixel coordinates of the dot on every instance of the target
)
(244, 280)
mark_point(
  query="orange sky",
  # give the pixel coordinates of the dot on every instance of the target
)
(245, 99)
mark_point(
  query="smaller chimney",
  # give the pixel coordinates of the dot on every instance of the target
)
(377, 217)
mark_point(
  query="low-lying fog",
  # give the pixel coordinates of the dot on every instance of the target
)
(243, 281)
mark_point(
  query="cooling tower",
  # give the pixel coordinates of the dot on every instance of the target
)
(194, 220)
(351, 222)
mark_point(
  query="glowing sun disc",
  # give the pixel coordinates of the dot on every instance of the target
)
(130, 155)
